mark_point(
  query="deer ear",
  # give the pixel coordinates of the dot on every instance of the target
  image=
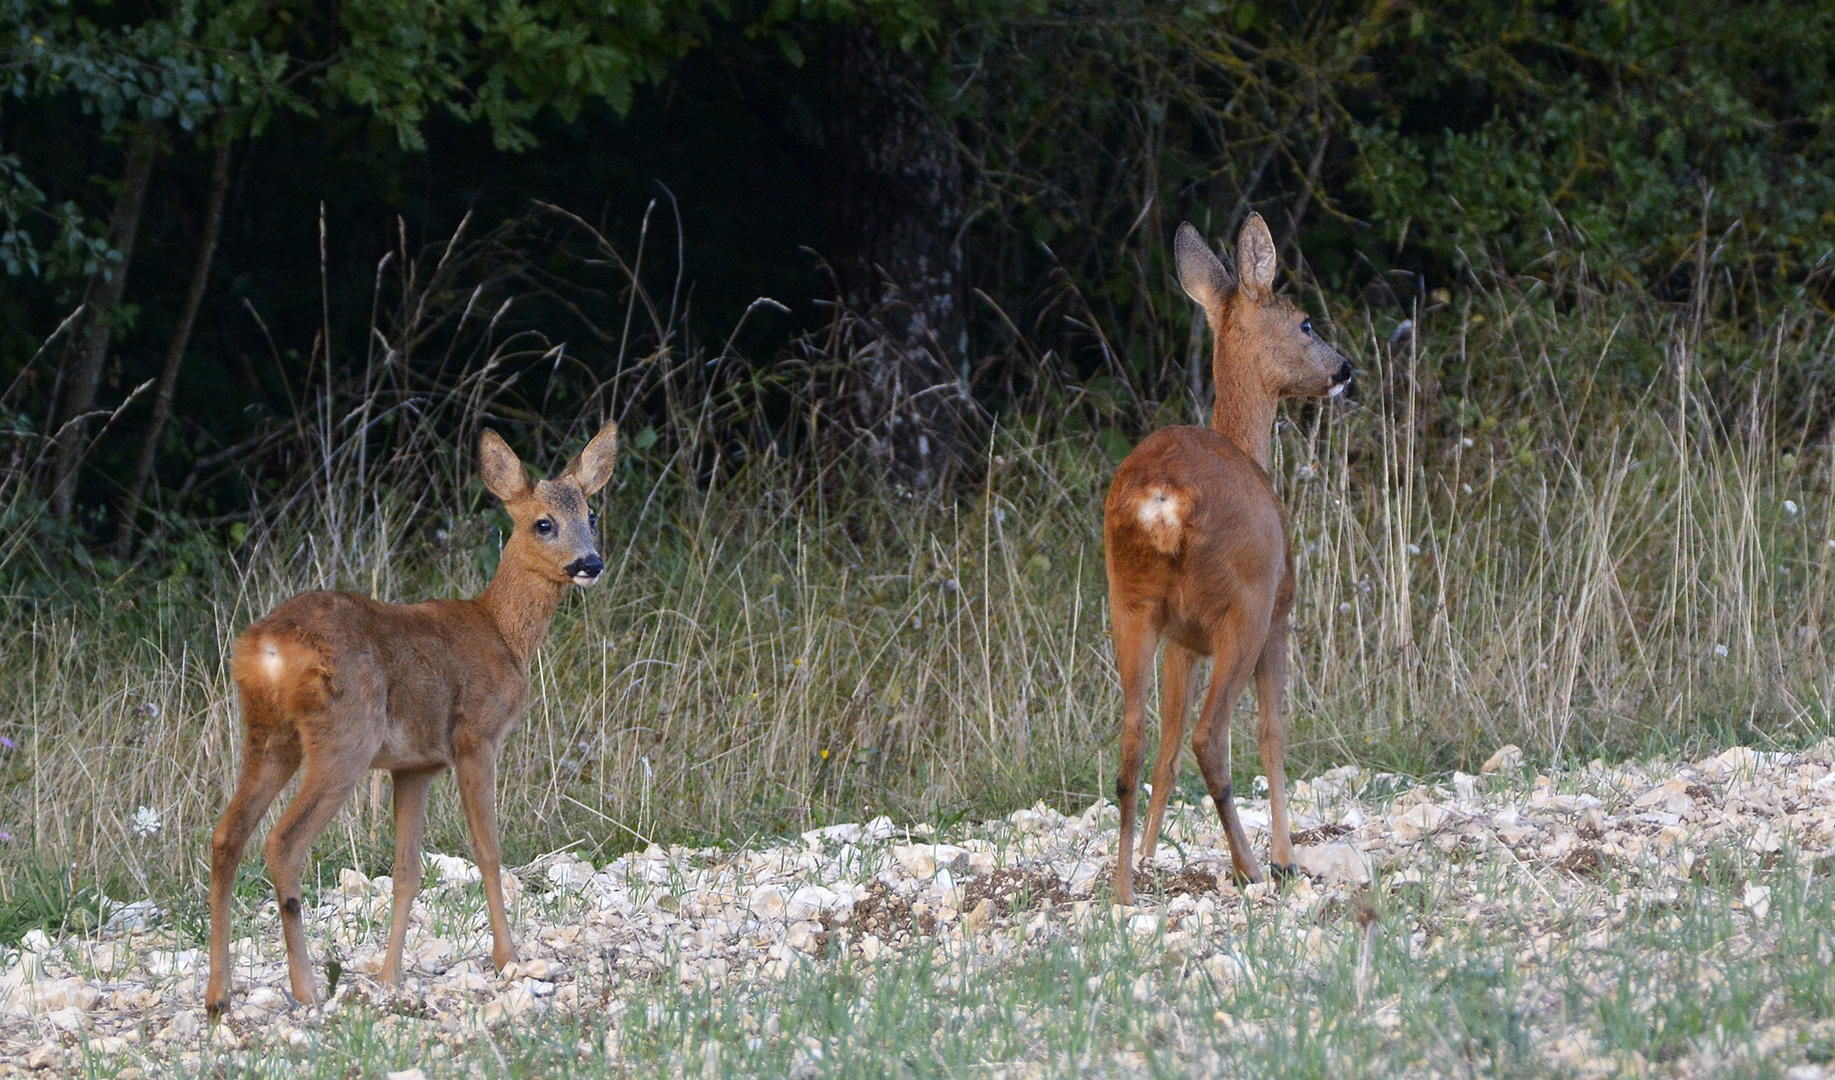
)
(501, 468)
(1255, 259)
(1200, 273)
(593, 467)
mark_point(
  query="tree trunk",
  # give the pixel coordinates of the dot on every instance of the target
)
(80, 368)
(895, 207)
(175, 355)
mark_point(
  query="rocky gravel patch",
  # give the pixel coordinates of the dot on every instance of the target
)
(1555, 863)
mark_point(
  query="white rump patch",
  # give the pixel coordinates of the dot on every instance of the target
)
(1158, 512)
(271, 661)
(1161, 515)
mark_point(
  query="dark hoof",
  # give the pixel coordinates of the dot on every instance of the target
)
(213, 1010)
(1283, 871)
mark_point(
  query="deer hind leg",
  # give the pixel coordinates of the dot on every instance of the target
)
(410, 825)
(1271, 739)
(331, 772)
(266, 768)
(1135, 640)
(1175, 689)
(477, 776)
(1233, 659)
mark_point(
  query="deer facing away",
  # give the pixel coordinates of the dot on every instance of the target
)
(335, 684)
(1197, 548)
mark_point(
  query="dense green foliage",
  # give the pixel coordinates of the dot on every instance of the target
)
(1613, 133)
(1628, 142)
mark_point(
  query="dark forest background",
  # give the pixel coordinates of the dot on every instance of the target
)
(219, 216)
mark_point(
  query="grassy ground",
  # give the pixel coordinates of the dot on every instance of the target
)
(1475, 1000)
(1695, 951)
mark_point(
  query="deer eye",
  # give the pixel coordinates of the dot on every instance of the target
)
(592, 520)
(544, 526)
(1306, 327)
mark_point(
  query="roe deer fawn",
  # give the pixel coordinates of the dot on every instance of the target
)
(341, 684)
(1197, 550)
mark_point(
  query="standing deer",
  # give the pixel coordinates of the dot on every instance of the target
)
(341, 684)
(1197, 549)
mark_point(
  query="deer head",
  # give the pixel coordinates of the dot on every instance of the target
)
(553, 531)
(1264, 342)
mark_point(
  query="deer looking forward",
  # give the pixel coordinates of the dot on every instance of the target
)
(336, 684)
(1197, 549)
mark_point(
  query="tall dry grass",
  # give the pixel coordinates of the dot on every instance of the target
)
(1557, 520)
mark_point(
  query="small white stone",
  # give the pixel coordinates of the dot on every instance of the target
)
(542, 968)
(67, 994)
(1508, 758)
(46, 1055)
(164, 963)
(766, 902)
(1335, 864)
(1420, 820)
(1142, 990)
(570, 874)
(922, 861)
(435, 955)
(813, 900)
(1756, 899)
(848, 833)
(518, 1000)
(453, 870)
(945, 884)
(184, 1024)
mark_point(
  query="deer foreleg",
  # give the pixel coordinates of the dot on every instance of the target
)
(477, 776)
(410, 824)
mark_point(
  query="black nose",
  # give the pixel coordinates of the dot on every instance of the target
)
(591, 566)
(1344, 373)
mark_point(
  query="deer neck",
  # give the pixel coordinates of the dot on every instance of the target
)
(1244, 410)
(521, 603)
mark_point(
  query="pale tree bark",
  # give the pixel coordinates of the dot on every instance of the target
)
(896, 202)
(175, 353)
(80, 368)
